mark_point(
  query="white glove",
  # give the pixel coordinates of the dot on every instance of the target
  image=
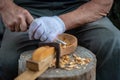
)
(46, 28)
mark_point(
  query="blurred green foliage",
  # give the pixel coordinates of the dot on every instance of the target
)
(115, 13)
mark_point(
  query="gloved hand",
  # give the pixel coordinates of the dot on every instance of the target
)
(46, 28)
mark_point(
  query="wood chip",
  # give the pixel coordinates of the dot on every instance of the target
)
(75, 62)
(68, 62)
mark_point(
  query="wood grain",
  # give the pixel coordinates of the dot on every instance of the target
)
(42, 53)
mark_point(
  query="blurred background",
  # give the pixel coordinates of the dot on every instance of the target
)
(115, 14)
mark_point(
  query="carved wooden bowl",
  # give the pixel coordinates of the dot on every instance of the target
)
(71, 43)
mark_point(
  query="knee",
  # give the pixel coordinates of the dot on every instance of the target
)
(108, 40)
(110, 37)
(107, 46)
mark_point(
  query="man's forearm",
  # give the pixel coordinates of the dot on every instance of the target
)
(89, 12)
(4, 4)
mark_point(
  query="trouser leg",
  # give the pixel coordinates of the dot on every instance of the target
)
(1, 30)
(103, 39)
(13, 44)
(2, 76)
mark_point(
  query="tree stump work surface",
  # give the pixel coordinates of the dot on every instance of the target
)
(84, 73)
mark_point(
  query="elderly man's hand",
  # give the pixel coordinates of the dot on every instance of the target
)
(46, 28)
(15, 17)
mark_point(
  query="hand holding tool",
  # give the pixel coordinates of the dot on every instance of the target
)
(46, 29)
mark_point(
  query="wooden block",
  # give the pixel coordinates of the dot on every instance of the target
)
(42, 53)
(37, 66)
(36, 69)
(32, 65)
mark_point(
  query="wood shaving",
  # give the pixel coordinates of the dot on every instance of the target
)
(68, 62)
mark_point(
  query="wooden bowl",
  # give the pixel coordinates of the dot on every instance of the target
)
(71, 43)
